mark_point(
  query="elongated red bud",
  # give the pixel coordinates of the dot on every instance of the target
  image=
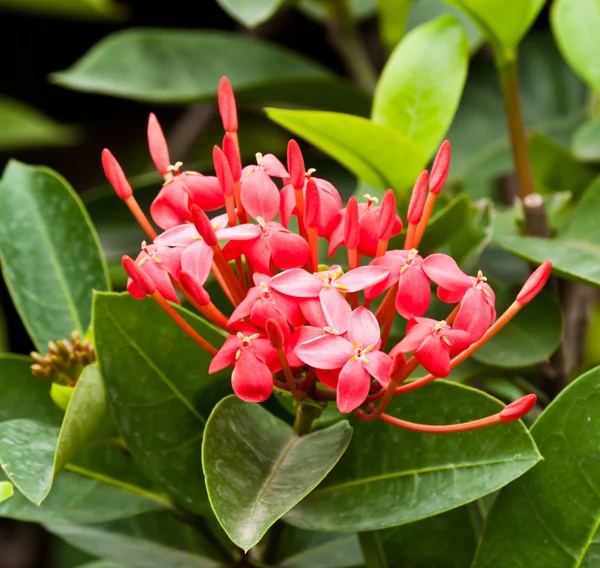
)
(275, 333)
(388, 216)
(295, 163)
(139, 277)
(115, 175)
(191, 286)
(312, 205)
(223, 171)
(398, 366)
(158, 145)
(232, 153)
(417, 199)
(204, 226)
(535, 283)
(351, 224)
(440, 168)
(227, 107)
(518, 408)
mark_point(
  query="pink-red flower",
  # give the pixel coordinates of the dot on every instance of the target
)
(161, 263)
(357, 356)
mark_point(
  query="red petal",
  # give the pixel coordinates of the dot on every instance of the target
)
(264, 310)
(170, 207)
(158, 145)
(251, 378)
(434, 356)
(259, 254)
(327, 352)
(287, 204)
(313, 312)
(415, 335)
(329, 378)
(260, 196)
(226, 355)
(197, 260)
(288, 249)
(297, 282)
(179, 236)
(363, 327)
(353, 386)
(362, 277)
(273, 166)
(474, 315)
(301, 335)
(245, 307)
(459, 340)
(243, 232)
(379, 366)
(444, 271)
(335, 309)
(414, 293)
(203, 191)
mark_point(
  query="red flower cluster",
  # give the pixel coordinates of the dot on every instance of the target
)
(298, 325)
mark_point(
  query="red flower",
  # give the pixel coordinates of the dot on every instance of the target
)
(160, 263)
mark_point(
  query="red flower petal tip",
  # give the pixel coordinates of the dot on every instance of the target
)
(351, 224)
(158, 145)
(535, 283)
(115, 175)
(204, 226)
(295, 164)
(417, 199)
(312, 210)
(139, 277)
(227, 107)
(275, 333)
(440, 168)
(398, 366)
(387, 220)
(518, 408)
(193, 288)
(223, 171)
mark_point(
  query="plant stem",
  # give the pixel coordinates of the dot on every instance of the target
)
(305, 416)
(372, 549)
(536, 221)
(346, 38)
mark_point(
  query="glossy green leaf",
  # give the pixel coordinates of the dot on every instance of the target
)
(421, 84)
(50, 253)
(320, 10)
(6, 490)
(157, 379)
(373, 152)
(419, 475)
(103, 564)
(75, 9)
(182, 66)
(575, 25)
(586, 141)
(152, 540)
(550, 515)
(61, 395)
(25, 127)
(257, 469)
(250, 13)
(530, 337)
(504, 22)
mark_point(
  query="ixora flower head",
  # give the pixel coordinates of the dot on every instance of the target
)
(302, 328)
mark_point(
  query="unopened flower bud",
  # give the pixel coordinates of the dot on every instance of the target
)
(388, 216)
(232, 153)
(518, 408)
(275, 333)
(417, 199)
(139, 277)
(115, 175)
(158, 145)
(440, 168)
(535, 283)
(295, 164)
(194, 289)
(398, 366)
(227, 107)
(223, 171)
(204, 226)
(312, 207)
(351, 224)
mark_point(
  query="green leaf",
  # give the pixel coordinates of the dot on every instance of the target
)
(61, 395)
(420, 87)
(75, 9)
(575, 253)
(152, 540)
(529, 338)
(319, 10)
(418, 475)
(575, 25)
(250, 13)
(503, 22)
(50, 253)
(157, 379)
(182, 66)
(257, 469)
(25, 127)
(373, 152)
(586, 141)
(102, 564)
(550, 515)
(6, 490)
(393, 17)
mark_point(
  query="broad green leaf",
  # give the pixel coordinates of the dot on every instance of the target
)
(257, 469)
(550, 515)
(51, 259)
(373, 152)
(152, 540)
(421, 84)
(61, 395)
(575, 25)
(25, 127)
(418, 475)
(75, 9)
(504, 22)
(530, 337)
(575, 253)
(250, 13)
(320, 9)
(103, 564)
(307, 549)
(586, 141)
(6, 490)
(157, 379)
(393, 17)
(182, 66)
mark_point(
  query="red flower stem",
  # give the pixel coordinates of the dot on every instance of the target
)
(299, 194)
(382, 246)
(410, 237)
(228, 275)
(427, 211)
(209, 311)
(386, 399)
(232, 219)
(237, 188)
(352, 298)
(313, 245)
(289, 377)
(353, 259)
(184, 325)
(222, 283)
(442, 429)
(137, 212)
(452, 316)
(387, 305)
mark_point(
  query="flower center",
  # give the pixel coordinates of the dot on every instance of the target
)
(409, 260)
(245, 342)
(174, 168)
(370, 200)
(264, 291)
(360, 352)
(151, 255)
